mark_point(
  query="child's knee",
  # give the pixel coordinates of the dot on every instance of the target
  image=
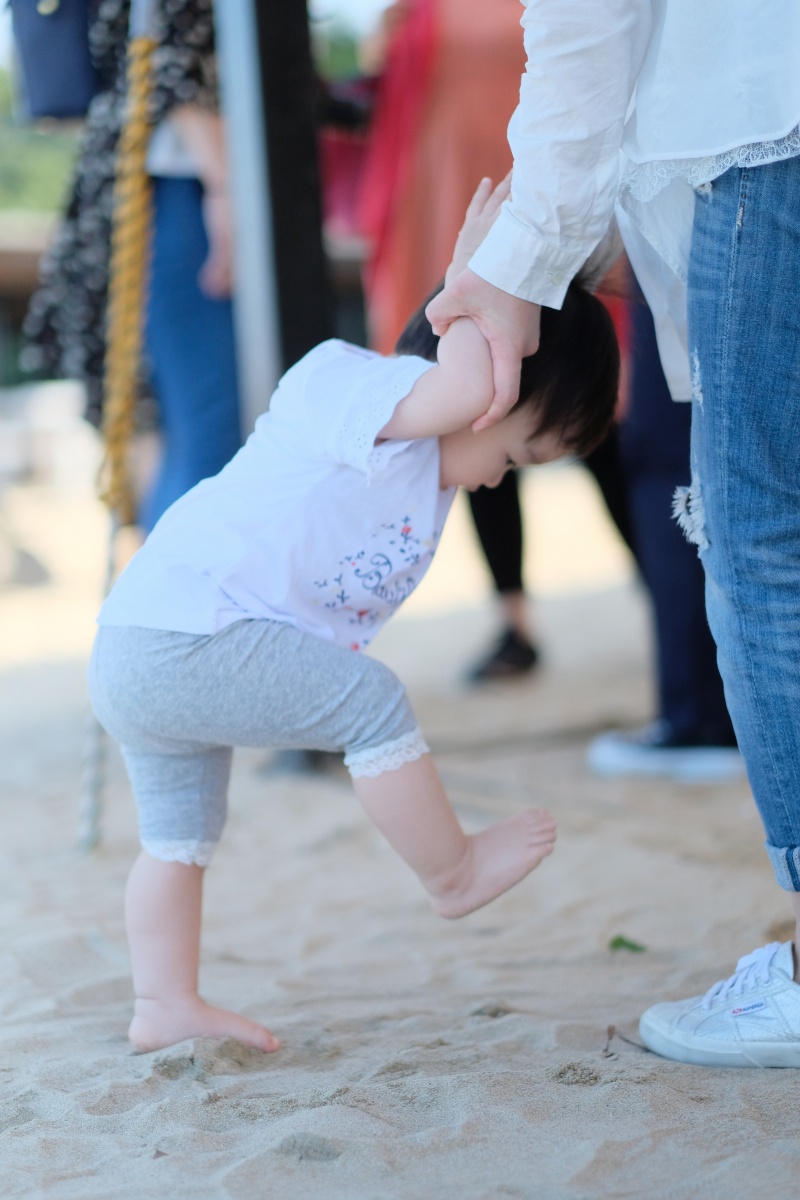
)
(386, 756)
(182, 802)
(387, 734)
(384, 711)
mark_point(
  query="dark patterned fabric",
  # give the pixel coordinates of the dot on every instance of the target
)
(65, 325)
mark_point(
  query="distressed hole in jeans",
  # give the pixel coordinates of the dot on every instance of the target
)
(697, 382)
(689, 511)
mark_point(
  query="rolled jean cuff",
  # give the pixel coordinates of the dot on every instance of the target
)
(191, 852)
(786, 865)
(389, 756)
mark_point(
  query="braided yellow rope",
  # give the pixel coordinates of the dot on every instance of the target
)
(130, 240)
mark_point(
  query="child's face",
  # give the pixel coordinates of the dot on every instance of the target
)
(472, 460)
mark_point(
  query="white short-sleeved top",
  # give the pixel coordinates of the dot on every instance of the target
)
(311, 523)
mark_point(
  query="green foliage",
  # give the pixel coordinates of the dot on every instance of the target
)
(622, 943)
(35, 160)
(6, 94)
(335, 54)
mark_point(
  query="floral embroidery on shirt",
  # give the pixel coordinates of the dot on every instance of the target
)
(368, 587)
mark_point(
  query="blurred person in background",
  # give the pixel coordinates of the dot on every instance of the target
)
(691, 738)
(190, 362)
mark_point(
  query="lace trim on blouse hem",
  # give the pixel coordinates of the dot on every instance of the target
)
(190, 853)
(388, 757)
(646, 180)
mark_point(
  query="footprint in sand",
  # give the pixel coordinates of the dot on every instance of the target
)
(309, 1147)
(578, 1073)
(396, 1069)
(14, 1117)
(201, 1057)
(495, 1011)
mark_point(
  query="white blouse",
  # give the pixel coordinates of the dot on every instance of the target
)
(311, 523)
(638, 100)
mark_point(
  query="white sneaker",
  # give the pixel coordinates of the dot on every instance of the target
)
(749, 1020)
(651, 752)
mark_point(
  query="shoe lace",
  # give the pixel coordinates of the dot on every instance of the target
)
(750, 971)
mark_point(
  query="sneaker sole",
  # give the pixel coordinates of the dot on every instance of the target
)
(727, 1054)
(691, 766)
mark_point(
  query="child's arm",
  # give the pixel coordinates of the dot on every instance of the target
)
(452, 394)
(460, 387)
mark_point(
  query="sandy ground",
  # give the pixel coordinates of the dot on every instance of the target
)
(422, 1059)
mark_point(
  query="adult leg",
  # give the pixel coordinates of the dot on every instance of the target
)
(655, 439)
(692, 737)
(497, 515)
(606, 466)
(190, 342)
(743, 512)
(743, 509)
(498, 522)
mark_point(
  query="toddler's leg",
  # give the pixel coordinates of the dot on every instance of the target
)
(182, 803)
(163, 906)
(460, 873)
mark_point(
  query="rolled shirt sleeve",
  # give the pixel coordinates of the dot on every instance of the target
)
(583, 60)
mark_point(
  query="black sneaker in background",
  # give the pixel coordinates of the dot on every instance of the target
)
(511, 656)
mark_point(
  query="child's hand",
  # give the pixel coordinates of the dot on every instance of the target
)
(481, 215)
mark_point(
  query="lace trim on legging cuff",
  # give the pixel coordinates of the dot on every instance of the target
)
(388, 757)
(190, 853)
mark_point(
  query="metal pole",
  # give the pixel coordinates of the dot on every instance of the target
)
(283, 301)
(290, 105)
(255, 305)
(95, 741)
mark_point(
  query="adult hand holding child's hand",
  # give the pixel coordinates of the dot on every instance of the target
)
(510, 325)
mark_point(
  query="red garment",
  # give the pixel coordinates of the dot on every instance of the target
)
(450, 87)
(395, 125)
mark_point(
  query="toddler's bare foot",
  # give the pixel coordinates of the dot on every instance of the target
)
(159, 1023)
(493, 862)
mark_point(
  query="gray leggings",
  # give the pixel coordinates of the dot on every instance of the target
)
(177, 703)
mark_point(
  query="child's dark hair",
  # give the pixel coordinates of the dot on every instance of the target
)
(571, 381)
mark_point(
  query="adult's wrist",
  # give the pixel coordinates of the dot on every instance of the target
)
(514, 258)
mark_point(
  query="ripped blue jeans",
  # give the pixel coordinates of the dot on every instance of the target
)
(744, 505)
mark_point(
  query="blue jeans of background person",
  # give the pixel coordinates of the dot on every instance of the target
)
(744, 507)
(190, 343)
(654, 440)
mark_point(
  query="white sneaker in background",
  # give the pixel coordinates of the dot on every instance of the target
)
(749, 1020)
(651, 751)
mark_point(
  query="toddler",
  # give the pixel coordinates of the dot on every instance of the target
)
(240, 621)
